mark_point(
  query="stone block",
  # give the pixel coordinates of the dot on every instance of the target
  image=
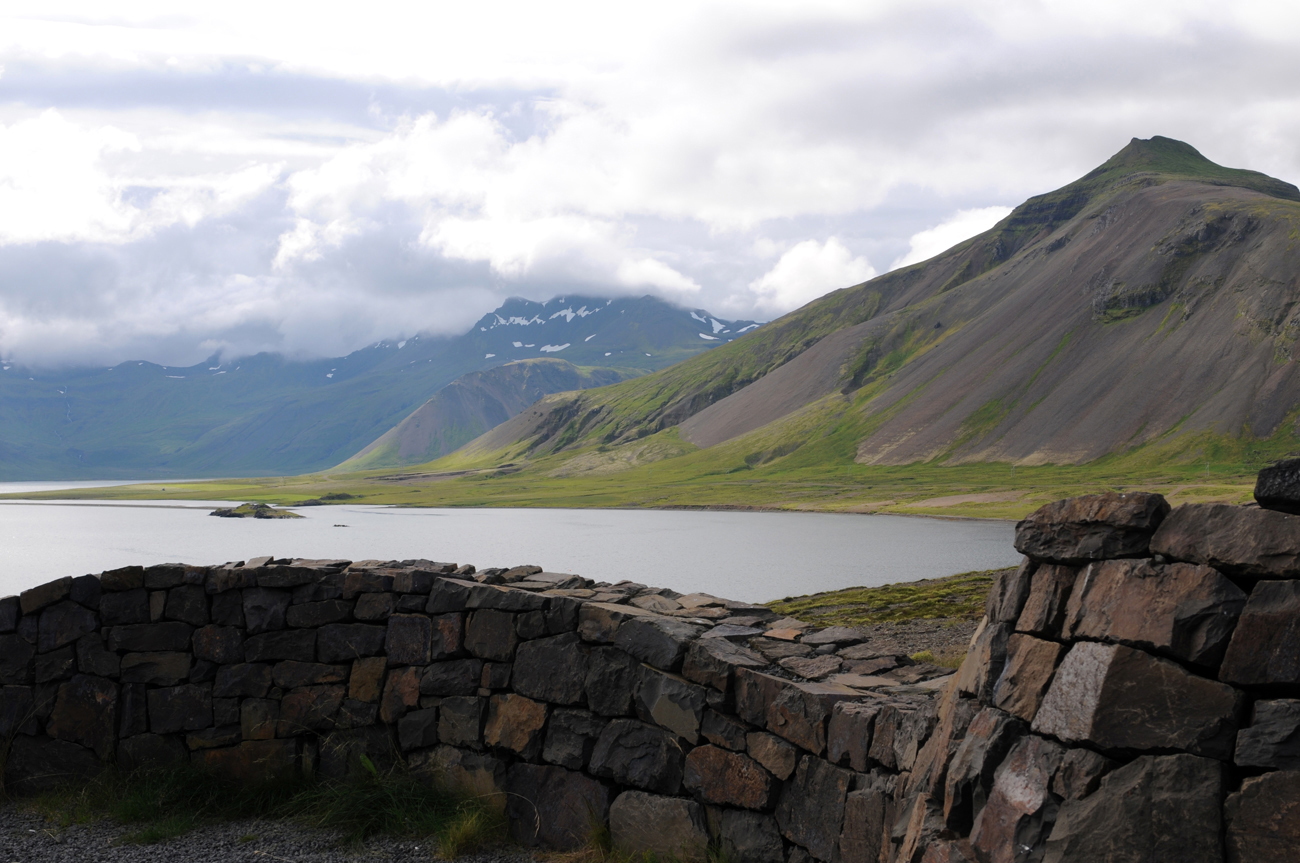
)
(713, 661)
(777, 757)
(929, 769)
(414, 581)
(16, 657)
(657, 641)
(361, 581)
(151, 752)
(969, 777)
(848, 737)
(1049, 591)
(671, 702)
(812, 667)
(460, 721)
(309, 708)
(917, 828)
(157, 604)
(9, 613)
(562, 614)
(296, 644)
(38, 764)
(418, 729)
(164, 575)
(551, 669)
(34, 599)
(1265, 646)
(180, 708)
(749, 836)
(356, 714)
(448, 595)
(865, 834)
(611, 678)
(515, 723)
(366, 680)
(16, 711)
(245, 680)
(724, 778)
(642, 756)
(55, 665)
(188, 604)
(128, 606)
(409, 640)
(253, 761)
(374, 607)
(571, 737)
(1154, 808)
(647, 824)
(811, 809)
(63, 623)
(1031, 662)
(147, 637)
(1263, 820)
(490, 634)
(1116, 698)
(85, 712)
(598, 622)
(454, 677)
(1277, 486)
(1080, 773)
(344, 642)
(554, 807)
(755, 693)
(448, 636)
(312, 614)
(227, 609)
(326, 587)
(1239, 541)
(985, 660)
(886, 732)
(1091, 527)
(496, 675)
(213, 738)
(801, 712)
(291, 674)
(401, 693)
(259, 718)
(163, 668)
(723, 730)
(126, 578)
(504, 598)
(133, 710)
(841, 636)
(265, 609)
(1273, 738)
(1182, 610)
(94, 658)
(531, 624)
(1015, 822)
(223, 645)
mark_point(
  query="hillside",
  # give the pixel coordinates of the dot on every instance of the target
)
(271, 415)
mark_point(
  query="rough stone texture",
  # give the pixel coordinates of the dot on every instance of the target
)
(401, 693)
(259, 718)
(40, 763)
(1016, 820)
(657, 641)
(15, 659)
(187, 603)
(728, 778)
(640, 755)
(409, 640)
(866, 831)
(1080, 773)
(611, 679)
(1044, 609)
(374, 606)
(290, 674)
(180, 708)
(641, 823)
(252, 761)
(126, 578)
(247, 679)
(1273, 738)
(811, 809)
(1030, 665)
(1009, 591)
(712, 662)
(598, 622)
(723, 730)
(223, 645)
(344, 642)
(848, 738)
(448, 636)
(264, 610)
(551, 669)
(515, 723)
(1118, 698)
(552, 806)
(85, 712)
(163, 668)
(1265, 646)
(672, 702)
(490, 634)
(151, 751)
(777, 757)
(318, 613)
(366, 679)
(985, 661)
(418, 729)
(1263, 819)
(36, 598)
(970, 774)
(748, 836)
(472, 774)
(1155, 808)
(460, 721)
(571, 737)
(299, 644)
(1239, 541)
(1277, 486)
(1092, 527)
(796, 711)
(1182, 610)
(455, 677)
(62, 624)
(129, 606)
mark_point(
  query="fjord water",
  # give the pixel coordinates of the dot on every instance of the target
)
(752, 556)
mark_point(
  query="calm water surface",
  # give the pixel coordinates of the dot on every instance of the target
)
(752, 556)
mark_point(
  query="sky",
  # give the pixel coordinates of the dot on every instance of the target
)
(309, 178)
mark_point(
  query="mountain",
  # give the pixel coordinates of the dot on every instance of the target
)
(1156, 300)
(268, 415)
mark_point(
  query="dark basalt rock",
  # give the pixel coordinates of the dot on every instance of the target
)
(1236, 540)
(1265, 646)
(1263, 820)
(551, 669)
(811, 808)
(1092, 527)
(1278, 486)
(552, 806)
(642, 756)
(1273, 738)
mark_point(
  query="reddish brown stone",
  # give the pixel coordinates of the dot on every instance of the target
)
(311, 708)
(410, 639)
(365, 683)
(515, 723)
(713, 661)
(796, 711)
(1010, 590)
(1263, 819)
(1091, 527)
(85, 712)
(969, 778)
(1265, 646)
(448, 636)
(1242, 541)
(778, 757)
(1031, 662)
(650, 826)
(1044, 610)
(401, 693)
(1020, 811)
(985, 660)
(728, 778)
(849, 734)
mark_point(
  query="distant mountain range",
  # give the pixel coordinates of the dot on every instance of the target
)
(266, 414)
(1155, 301)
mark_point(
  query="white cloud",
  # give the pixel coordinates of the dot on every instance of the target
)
(806, 272)
(961, 226)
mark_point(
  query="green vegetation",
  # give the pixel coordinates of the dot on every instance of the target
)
(957, 597)
(254, 510)
(161, 804)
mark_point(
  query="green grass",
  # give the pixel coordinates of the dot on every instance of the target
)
(957, 597)
(162, 804)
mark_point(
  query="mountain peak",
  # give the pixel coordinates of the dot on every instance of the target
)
(1178, 160)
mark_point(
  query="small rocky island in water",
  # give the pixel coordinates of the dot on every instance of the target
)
(254, 510)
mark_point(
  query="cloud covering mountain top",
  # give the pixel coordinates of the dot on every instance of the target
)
(262, 176)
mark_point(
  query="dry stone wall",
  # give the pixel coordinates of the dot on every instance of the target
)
(1133, 693)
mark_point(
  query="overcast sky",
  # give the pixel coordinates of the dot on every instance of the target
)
(268, 176)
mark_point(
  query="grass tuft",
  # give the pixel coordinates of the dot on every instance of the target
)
(957, 597)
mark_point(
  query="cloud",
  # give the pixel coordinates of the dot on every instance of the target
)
(806, 272)
(963, 225)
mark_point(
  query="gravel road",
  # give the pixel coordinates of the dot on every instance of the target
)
(26, 837)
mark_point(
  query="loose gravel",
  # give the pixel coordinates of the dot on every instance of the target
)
(26, 837)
